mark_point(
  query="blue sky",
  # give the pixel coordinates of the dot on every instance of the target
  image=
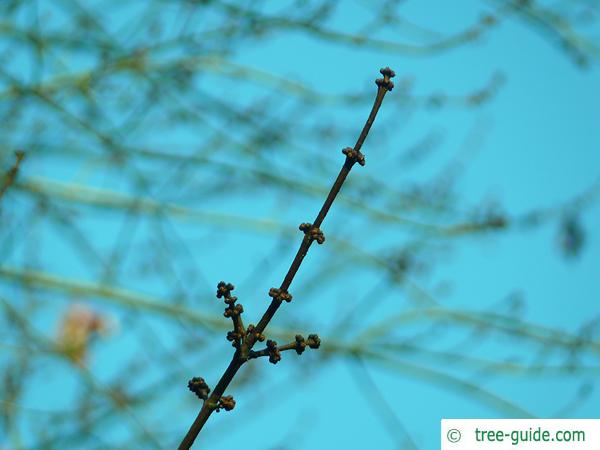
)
(534, 145)
(540, 148)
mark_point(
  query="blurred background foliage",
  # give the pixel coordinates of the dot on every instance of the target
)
(172, 144)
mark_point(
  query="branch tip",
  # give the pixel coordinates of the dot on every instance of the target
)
(387, 72)
(313, 341)
(224, 290)
(273, 351)
(19, 155)
(386, 81)
(233, 311)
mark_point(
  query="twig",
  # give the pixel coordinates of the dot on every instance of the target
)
(11, 175)
(244, 340)
(381, 406)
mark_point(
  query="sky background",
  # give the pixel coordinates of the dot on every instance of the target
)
(540, 148)
(534, 145)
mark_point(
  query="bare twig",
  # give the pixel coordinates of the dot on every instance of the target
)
(244, 343)
(11, 175)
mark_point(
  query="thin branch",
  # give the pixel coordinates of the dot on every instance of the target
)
(11, 175)
(381, 406)
(273, 351)
(312, 233)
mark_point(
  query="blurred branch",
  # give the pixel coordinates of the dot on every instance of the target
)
(549, 22)
(10, 176)
(314, 28)
(488, 320)
(377, 401)
(115, 295)
(123, 112)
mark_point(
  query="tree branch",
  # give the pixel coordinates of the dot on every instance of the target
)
(244, 344)
(11, 175)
